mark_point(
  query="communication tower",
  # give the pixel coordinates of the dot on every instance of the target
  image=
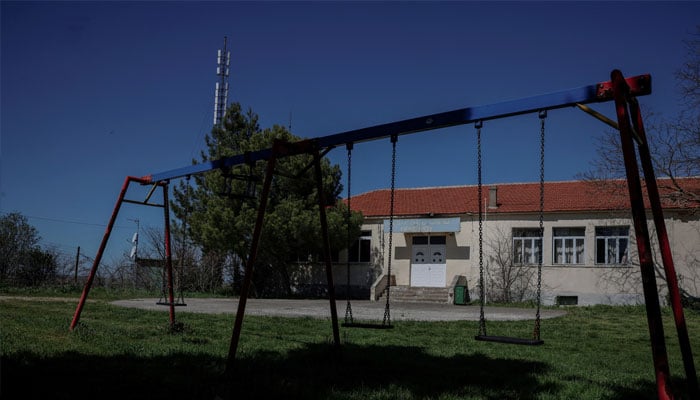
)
(223, 62)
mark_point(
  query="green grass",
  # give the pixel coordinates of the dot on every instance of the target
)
(74, 291)
(98, 293)
(118, 353)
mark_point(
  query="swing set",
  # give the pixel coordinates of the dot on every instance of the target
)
(623, 92)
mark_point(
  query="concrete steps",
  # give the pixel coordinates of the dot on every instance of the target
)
(408, 294)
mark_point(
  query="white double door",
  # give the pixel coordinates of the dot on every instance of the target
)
(428, 262)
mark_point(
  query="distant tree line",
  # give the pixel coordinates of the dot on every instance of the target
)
(22, 261)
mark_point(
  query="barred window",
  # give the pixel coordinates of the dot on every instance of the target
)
(527, 246)
(612, 243)
(568, 245)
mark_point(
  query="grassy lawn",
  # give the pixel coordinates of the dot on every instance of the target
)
(118, 353)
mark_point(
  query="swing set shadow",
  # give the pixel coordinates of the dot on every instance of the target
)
(309, 371)
(629, 122)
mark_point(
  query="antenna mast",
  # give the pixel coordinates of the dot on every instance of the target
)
(223, 62)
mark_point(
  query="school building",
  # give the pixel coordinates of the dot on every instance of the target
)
(588, 250)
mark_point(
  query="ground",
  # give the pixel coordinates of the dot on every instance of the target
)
(361, 310)
(119, 352)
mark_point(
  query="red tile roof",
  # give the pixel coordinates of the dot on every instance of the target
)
(568, 196)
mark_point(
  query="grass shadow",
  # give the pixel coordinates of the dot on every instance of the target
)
(314, 371)
(73, 375)
(646, 390)
(311, 371)
(364, 372)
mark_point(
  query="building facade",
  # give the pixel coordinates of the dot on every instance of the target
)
(588, 249)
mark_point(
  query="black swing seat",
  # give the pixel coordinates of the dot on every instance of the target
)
(366, 325)
(167, 303)
(509, 340)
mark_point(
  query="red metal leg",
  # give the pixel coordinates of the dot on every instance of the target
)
(100, 252)
(168, 256)
(651, 295)
(255, 241)
(326, 247)
(666, 255)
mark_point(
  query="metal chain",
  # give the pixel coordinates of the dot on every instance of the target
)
(348, 307)
(179, 272)
(387, 308)
(187, 210)
(185, 241)
(536, 332)
(482, 294)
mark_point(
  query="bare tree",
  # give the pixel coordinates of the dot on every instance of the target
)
(674, 143)
(192, 269)
(506, 281)
(149, 265)
(627, 279)
(689, 73)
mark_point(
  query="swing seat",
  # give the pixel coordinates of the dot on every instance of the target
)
(366, 325)
(509, 340)
(167, 303)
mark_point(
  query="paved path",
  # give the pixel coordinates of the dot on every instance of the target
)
(362, 310)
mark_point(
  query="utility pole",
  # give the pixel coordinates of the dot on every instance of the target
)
(77, 262)
(135, 241)
(134, 255)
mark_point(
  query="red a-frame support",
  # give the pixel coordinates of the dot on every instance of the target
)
(627, 106)
(168, 252)
(284, 149)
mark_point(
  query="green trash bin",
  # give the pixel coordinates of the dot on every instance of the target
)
(461, 295)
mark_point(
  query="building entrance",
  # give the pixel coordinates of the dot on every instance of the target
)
(428, 261)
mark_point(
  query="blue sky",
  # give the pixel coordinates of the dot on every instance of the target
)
(94, 91)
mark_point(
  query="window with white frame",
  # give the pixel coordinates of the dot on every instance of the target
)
(527, 246)
(568, 245)
(611, 244)
(360, 251)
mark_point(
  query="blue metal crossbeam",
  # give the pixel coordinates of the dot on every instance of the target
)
(597, 93)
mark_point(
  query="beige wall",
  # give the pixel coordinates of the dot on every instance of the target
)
(684, 236)
(361, 274)
(591, 283)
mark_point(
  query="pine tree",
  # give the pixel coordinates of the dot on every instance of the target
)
(221, 207)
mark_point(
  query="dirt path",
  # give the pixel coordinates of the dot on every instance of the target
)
(362, 310)
(36, 298)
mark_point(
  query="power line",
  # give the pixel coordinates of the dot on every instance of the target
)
(66, 221)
